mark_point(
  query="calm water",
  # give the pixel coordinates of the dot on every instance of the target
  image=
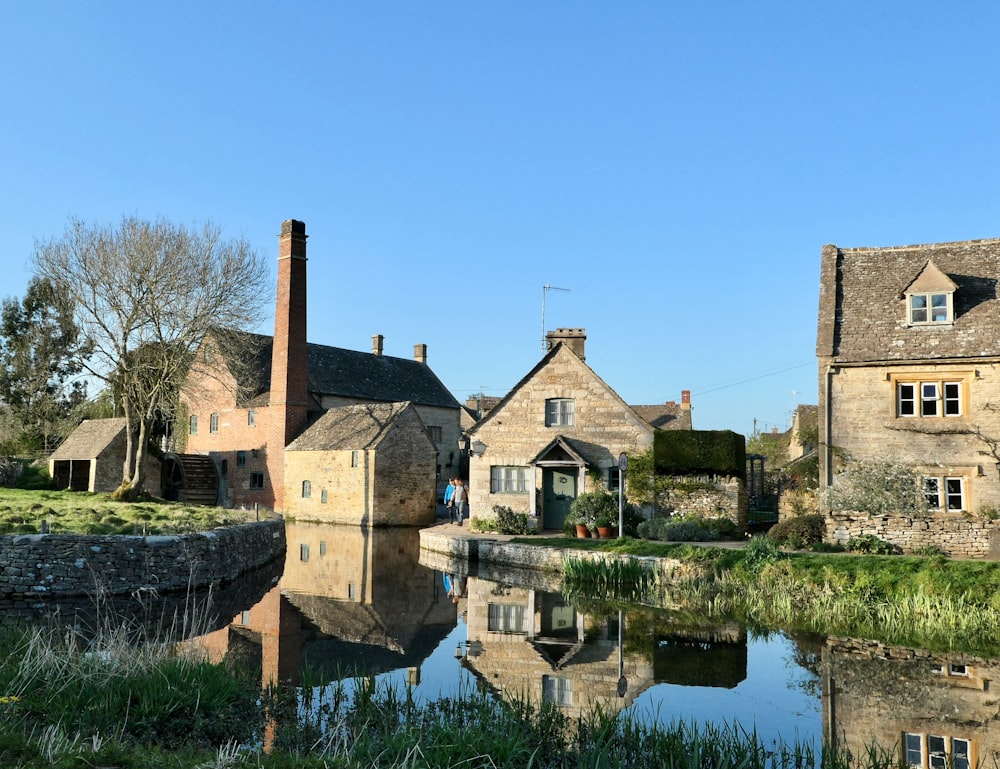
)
(353, 602)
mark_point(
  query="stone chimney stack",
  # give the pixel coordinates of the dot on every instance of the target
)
(377, 344)
(420, 353)
(289, 406)
(686, 399)
(574, 338)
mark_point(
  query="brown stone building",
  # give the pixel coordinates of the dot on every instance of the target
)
(909, 371)
(92, 458)
(557, 433)
(250, 396)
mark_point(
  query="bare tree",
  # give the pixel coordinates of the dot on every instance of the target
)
(146, 293)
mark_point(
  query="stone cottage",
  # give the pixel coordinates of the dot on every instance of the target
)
(908, 346)
(92, 458)
(558, 433)
(250, 396)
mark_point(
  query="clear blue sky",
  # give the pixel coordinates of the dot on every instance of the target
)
(677, 166)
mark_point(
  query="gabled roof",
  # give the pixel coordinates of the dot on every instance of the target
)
(665, 416)
(931, 278)
(89, 439)
(334, 371)
(862, 308)
(559, 451)
(557, 349)
(357, 427)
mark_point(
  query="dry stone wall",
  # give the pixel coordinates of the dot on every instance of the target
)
(956, 535)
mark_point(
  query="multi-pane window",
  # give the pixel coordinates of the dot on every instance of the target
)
(559, 412)
(944, 493)
(307, 489)
(193, 424)
(256, 480)
(508, 479)
(930, 308)
(213, 423)
(506, 618)
(435, 433)
(932, 751)
(929, 399)
(614, 478)
(241, 459)
(323, 497)
(557, 690)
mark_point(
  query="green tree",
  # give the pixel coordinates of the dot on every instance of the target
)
(41, 359)
(146, 293)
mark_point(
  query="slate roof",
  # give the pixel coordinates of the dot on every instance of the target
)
(335, 371)
(89, 439)
(357, 427)
(862, 308)
(665, 416)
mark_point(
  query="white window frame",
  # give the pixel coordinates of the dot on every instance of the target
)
(557, 690)
(944, 493)
(935, 751)
(509, 479)
(929, 398)
(560, 412)
(213, 423)
(506, 618)
(930, 308)
(193, 424)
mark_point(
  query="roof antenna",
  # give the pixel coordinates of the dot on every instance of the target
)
(545, 289)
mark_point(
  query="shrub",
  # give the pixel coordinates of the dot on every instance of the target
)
(10, 470)
(686, 529)
(593, 505)
(504, 521)
(869, 543)
(931, 550)
(759, 552)
(877, 487)
(798, 531)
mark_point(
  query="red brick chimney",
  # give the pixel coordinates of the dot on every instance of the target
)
(289, 407)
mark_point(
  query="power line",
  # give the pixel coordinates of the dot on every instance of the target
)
(754, 378)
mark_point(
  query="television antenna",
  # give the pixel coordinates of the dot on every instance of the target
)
(545, 290)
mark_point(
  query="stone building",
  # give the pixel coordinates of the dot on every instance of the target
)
(92, 458)
(557, 433)
(373, 458)
(249, 396)
(908, 346)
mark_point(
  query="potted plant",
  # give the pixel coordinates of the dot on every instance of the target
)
(592, 506)
(579, 520)
(605, 524)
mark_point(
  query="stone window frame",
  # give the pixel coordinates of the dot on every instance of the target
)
(193, 424)
(434, 431)
(213, 423)
(560, 412)
(945, 488)
(510, 479)
(509, 618)
(951, 395)
(306, 489)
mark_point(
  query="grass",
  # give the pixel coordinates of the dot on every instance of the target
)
(111, 705)
(24, 511)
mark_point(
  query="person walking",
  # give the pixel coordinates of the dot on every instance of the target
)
(448, 494)
(460, 500)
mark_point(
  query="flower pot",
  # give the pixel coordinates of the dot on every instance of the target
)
(582, 531)
(605, 532)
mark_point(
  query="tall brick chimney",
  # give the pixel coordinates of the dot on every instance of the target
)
(289, 407)
(574, 338)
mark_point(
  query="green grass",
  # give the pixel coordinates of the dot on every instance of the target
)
(23, 511)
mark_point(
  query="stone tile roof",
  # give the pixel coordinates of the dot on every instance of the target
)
(334, 371)
(862, 308)
(665, 416)
(89, 439)
(356, 427)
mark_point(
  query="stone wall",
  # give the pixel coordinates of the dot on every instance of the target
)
(35, 567)
(726, 499)
(958, 535)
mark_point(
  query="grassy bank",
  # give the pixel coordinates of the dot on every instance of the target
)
(927, 602)
(111, 705)
(26, 511)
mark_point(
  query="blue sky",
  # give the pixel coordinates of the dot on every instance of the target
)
(677, 166)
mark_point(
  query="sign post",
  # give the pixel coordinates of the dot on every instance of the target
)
(622, 467)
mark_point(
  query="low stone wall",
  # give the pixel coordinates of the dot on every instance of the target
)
(957, 535)
(34, 567)
(726, 498)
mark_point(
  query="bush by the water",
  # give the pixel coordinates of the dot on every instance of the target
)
(872, 545)
(687, 529)
(799, 531)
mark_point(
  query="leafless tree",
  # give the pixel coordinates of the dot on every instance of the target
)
(146, 293)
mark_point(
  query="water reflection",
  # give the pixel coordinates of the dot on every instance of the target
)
(360, 602)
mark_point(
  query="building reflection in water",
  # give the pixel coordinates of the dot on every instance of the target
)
(939, 711)
(352, 601)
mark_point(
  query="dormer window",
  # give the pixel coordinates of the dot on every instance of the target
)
(929, 298)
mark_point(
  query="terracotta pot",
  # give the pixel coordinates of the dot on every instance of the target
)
(605, 532)
(582, 531)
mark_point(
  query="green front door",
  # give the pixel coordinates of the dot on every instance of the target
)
(558, 492)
